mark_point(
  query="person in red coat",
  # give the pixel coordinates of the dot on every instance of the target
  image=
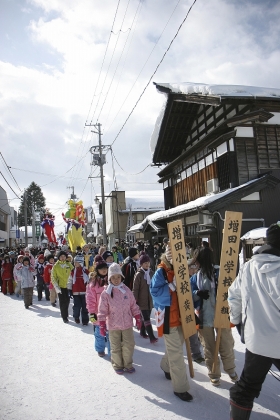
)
(76, 286)
(7, 276)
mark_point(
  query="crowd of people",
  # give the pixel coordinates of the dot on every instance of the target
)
(116, 290)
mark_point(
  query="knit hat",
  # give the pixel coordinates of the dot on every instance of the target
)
(99, 263)
(132, 252)
(114, 270)
(40, 257)
(79, 259)
(61, 253)
(273, 235)
(107, 254)
(144, 258)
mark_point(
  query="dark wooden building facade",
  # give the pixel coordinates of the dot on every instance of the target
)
(209, 142)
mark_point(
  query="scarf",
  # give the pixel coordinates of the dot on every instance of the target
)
(111, 287)
(85, 276)
(147, 275)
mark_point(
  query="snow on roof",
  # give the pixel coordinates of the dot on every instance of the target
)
(255, 234)
(191, 205)
(189, 88)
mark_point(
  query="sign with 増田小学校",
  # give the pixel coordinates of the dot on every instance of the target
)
(181, 272)
(228, 266)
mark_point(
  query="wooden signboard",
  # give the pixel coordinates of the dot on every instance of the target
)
(184, 291)
(228, 266)
(228, 269)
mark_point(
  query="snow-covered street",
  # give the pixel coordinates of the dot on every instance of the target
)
(50, 371)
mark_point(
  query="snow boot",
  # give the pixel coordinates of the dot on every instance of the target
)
(143, 331)
(150, 331)
(184, 396)
(238, 412)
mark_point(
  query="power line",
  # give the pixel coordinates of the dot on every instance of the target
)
(43, 173)
(118, 60)
(9, 185)
(62, 176)
(154, 72)
(103, 63)
(131, 35)
(140, 70)
(8, 167)
(124, 170)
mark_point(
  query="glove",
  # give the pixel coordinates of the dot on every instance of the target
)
(102, 328)
(57, 289)
(203, 294)
(92, 317)
(168, 253)
(70, 293)
(172, 287)
(138, 321)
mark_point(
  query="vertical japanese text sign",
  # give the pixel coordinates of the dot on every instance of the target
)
(181, 271)
(228, 266)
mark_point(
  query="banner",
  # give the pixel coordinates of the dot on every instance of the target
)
(228, 266)
(181, 271)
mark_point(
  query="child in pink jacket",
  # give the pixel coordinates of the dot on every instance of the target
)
(98, 279)
(118, 307)
(17, 275)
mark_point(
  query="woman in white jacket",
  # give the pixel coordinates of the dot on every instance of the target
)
(254, 300)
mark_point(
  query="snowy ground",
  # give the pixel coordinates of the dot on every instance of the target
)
(49, 370)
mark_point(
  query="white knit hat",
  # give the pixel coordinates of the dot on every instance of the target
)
(114, 270)
(79, 259)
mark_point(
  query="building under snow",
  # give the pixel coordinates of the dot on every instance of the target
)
(220, 148)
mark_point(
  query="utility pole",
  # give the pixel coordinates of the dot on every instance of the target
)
(25, 218)
(99, 161)
(104, 230)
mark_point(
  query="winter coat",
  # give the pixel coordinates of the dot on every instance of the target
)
(255, 297)
(118, 310)
(39, 270)
(129, 270)
(17, 272)
(206, 308)
(93, 294)
(7, 271)
(60, 273)
(141, 290)
(164, 298)
(27, 276)
(78, 284)
(47, 274)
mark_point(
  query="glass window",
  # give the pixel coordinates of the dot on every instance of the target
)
(165, 184)
(189, 171)
(194, 168)
(219, 112)
(201, 164)
(231, 145)
(222, 149)
(209, 159)
(201, 127)
(201, 118)
(183, 175)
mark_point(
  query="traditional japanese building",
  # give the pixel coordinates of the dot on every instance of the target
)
(220, 147)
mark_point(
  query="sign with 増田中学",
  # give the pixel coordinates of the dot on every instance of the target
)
(181, 272)
(228, 266)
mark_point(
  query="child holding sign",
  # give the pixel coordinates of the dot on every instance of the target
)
(165, 301)
(204, 295)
